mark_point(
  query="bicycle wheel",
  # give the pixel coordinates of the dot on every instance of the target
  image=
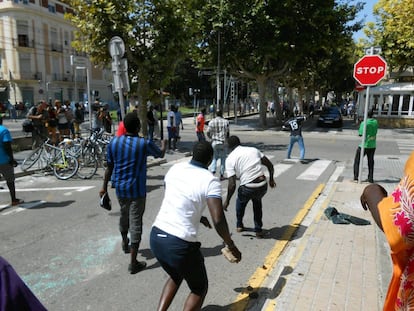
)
(31, 159)
(88, 165)
(65, 166)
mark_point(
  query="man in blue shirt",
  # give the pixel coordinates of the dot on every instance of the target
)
(127, 169)
(7, 162)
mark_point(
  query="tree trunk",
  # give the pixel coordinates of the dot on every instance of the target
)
(261, 83)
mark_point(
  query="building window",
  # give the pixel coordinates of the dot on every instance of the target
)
(45, 3)
(52, 8)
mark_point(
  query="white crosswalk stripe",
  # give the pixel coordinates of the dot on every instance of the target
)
(315, 170)
(405, 146)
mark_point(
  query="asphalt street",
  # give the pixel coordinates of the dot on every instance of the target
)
(68, 250)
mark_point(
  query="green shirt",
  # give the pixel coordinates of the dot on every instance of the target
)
(371, 133)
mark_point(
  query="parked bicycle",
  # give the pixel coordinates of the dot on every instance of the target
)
(48, 156)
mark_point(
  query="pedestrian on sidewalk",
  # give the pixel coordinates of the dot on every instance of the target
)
(294, 124)
(127, 169)
(150, 122)
(200, 125)
(219, 131)
(394, 216)
(172, 128)
(7, 162)
(370, 145)
(189, 187)
(246, 163)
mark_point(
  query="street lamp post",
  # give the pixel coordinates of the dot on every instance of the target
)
(161, 122)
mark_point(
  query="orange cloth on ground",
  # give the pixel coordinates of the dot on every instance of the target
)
(397, 218)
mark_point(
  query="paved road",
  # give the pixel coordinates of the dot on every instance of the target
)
(68, 250)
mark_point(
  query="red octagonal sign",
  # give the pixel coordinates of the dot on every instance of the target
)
(370, 69)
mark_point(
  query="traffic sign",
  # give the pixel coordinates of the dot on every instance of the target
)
(370, 69)
(116, 47)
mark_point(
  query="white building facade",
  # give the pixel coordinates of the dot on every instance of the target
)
(35, 56)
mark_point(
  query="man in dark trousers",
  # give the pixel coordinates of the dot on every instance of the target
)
(370, 145)
(127, 165)
(294, 124)
(189, 187)
(246, 163)
(7, 162)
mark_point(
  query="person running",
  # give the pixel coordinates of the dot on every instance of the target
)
(246, 163)
(127, 169)
(7, 162)
(219, 131)
(189, 187)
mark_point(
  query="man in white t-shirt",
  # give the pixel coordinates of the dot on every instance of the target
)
(172, 128)
(189, 187)
(246, 163)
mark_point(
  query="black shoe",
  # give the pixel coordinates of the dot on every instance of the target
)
(126, 247)
(137, 267)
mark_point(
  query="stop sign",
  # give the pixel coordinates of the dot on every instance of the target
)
(370, 69)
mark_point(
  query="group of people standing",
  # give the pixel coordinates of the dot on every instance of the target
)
(55, 121)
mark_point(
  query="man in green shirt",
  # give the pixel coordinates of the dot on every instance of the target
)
(370, 144)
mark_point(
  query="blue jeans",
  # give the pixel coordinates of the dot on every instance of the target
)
(200, 136)
(151, 132)
(299, 140)
(220, 152)
(245, 194)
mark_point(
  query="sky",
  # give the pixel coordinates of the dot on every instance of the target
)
(367, 15)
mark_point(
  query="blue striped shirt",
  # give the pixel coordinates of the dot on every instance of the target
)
(128, 154)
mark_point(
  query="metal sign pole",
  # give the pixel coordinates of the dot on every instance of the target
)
(364, 134)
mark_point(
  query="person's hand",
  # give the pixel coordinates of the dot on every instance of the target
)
(182, 127)
(204, 220)
(101, 193)
(272, 183)
(225, 205)
(231, 253)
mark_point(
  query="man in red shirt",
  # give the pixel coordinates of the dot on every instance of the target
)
(200, 125)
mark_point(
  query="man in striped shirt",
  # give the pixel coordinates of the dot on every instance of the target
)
(127, 169)
(218, 131)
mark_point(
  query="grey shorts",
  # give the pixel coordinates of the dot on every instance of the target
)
(132, 211)
(7, 170)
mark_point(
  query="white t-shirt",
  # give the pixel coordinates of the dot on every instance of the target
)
(171, 122)
(187, 188)
(245, 163)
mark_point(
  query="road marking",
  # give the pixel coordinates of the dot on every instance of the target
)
(260, 274)
(79, 189)
(315, 170)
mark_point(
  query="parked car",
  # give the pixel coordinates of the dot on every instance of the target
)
(330, 116)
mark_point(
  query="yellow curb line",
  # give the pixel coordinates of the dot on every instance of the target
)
(260, 274)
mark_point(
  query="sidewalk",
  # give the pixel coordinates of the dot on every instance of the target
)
(335, 266)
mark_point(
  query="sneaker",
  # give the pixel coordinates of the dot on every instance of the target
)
(137, 267)
(222, 178)
(240, 229)
(17, 202)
